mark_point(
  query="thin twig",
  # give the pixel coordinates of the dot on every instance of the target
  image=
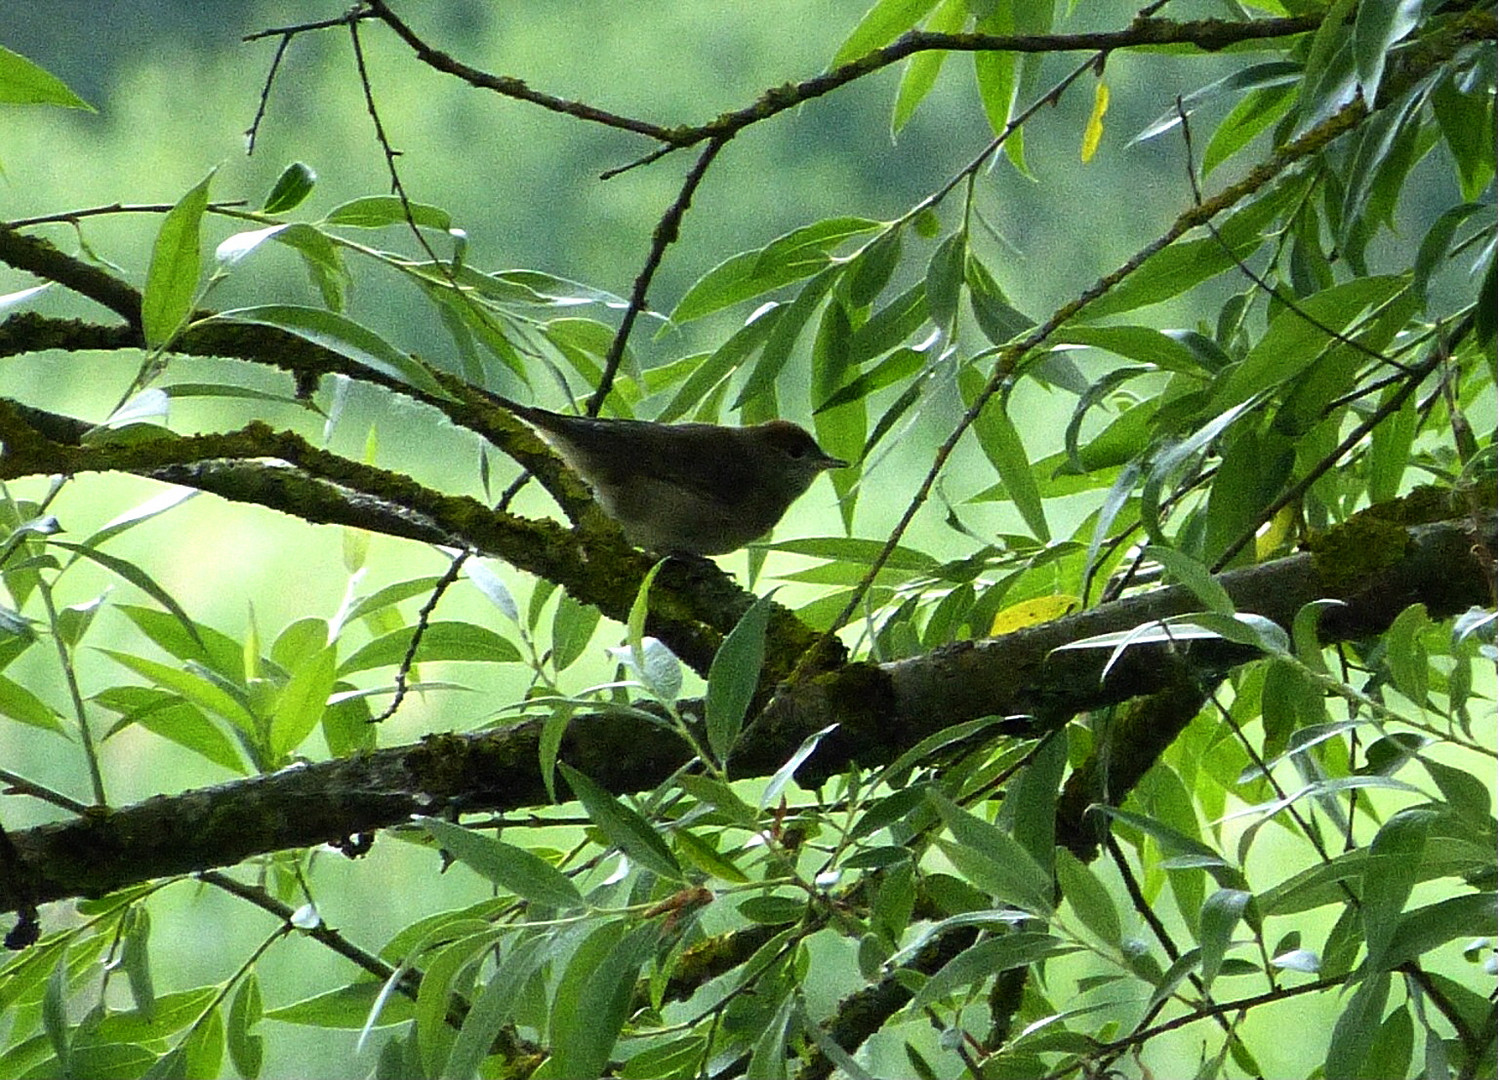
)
(1144, 1035)
(423, 619)
(68, 217)
(265, 94)
(1271, 290)
(408, 984)
(1209, 34)
(663, 237)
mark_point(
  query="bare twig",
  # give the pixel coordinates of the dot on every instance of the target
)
(1277, 294)
(664, 236)
(1209, 34)
(423, 620)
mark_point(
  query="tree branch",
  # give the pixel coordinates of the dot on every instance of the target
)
(1206, 34)
(880, 710)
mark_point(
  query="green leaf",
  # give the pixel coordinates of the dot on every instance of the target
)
(1021, 880)
(858, 550)
(246, 1049)
(733, 677)
(1436, 248)
(655, 667)
(1289, 700)
(796, 255)
(717, 794)
(173, 1012)
(897, 367)
(1177, 844)
(1187, 263)
(299, 708)
(768, 1059)
(1291, 344)
(1390, 448)
(887, 811)
(377, 211)
(176, 262)
(706, 857)
(783, 336)
(1468, 794)
(1001, 444)
(21, 704)
(1220, 915)
(623, 826)
(202, 692)
(1165, 465)
(1425, 928)
(1088, 897)
(492, 1008)
(988, 958)
(1463, 112)
(639, 610)
(512, 868)
(135, 959)
(1377, 26)
(586, 1022)
(1390, 1055)
(174, 719)
(928, 747)
(1389, 876)
(881, 25)
(1357, 1027)
(1168, 981)
(786, 772)
(677, 1058)
(994, 72)
(1030, 807)
(1255, 111)
(1000, 320)
(721, 363)
(1274, 73)
(869, 271)
(1194, 576)
(55, 1010)
(448, 972)
(944, 280)
(1141, 343)
(1409, 666)
(890, 326)
(773, 910)
(922, 68)
(389, 596)
(203, 1049)
(456, 641)
(343, 336)
(573, 626)
(290, 189)
(1330, 81)
(24, 83)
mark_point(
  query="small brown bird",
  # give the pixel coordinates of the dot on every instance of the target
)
(700, 489)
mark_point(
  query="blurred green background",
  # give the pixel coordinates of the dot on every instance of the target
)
(176, 89)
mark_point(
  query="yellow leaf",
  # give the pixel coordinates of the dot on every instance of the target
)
(1030, 612)
(1094, 132)
(1275, 537)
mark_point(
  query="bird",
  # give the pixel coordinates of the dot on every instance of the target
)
(692, 489)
